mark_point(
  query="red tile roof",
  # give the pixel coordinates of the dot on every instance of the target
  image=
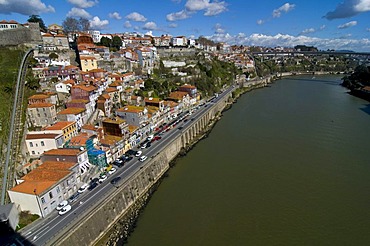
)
(72, 111)
(60, 125)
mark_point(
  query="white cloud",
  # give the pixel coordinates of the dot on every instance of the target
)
(150, 26)
(183, 14)
(308, 30)
(172, 25)
(98, 24)
(291, 41)
(83, 3)
(347, 25)
(24, 7)
(322, 27)
(136, 28)
(348, 8)
(210, 8)
(218, 28)
(215, 8)
(260, 22)
(368, 29)
(276, 13)
(135, 16)
(149, 33)
(77, 12)
(115, 15)
(127, 24)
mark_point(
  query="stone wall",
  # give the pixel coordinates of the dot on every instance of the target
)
(29, 36)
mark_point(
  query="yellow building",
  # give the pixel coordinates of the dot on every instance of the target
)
(67, 128)
(88, 63)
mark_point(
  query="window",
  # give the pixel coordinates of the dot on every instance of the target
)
(31, 144)
(42, 200)
(58, 190)
(42, 143)
(50, 195)
(33, 152)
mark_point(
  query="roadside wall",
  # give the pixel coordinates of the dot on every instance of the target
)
(132, 194)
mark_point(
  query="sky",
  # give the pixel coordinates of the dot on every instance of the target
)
(326, 24)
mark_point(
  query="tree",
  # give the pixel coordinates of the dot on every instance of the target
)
(83, 24)
(37, 19)
(53, 56)
(107, 42)
(116, 42)
(70, 25)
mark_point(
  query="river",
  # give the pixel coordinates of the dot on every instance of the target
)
(286, 165)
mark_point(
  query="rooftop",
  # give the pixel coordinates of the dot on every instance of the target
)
(60, 125)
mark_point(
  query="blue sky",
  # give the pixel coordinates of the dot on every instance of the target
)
(326, 24)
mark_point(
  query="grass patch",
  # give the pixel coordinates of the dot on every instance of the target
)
(26, 218)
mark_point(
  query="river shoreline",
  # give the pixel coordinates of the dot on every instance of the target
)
(119, 234)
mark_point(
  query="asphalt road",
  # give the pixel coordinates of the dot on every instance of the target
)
(42, 231)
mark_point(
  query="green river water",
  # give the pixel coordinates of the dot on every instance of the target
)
(286, 165)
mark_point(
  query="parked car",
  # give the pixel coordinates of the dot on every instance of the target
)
(115, 180)
(94, 180)
(83, 188)
(144, 145)
(150, 137)
(112, 170)
(131, 152)
(143, 158)
(62, 205)
(92, 186)
(74, 197)
(65, 209)
(102, 178)
(138, 153)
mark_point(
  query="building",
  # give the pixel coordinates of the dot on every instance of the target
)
(41, 190)
(37, 143)
(69, 155)
(133, 115)
(67, 128)
(78, 115)
(6, 25)
(9, 218)
(41, 114)
(115, 127)
(88, 63)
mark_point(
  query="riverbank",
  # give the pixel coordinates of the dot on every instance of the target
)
(122, 229)
(277, 169)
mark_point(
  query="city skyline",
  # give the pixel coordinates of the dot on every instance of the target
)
(337, 24)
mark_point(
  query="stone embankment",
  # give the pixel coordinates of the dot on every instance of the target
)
(113, 218)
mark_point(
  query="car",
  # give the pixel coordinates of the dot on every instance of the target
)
(62, 205)
(112, 170)
(83, 188)
(131, 152)
(143, 158)
(156, 138)
(128, 158)
(102, 178)
(148, 144)
(119, 164)
(65, 209)
(180, 128)
(94, 180)
(144, 145)
(150, 137)
(73, 197)
(115, 180)
(138, 153)
(92, 186)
